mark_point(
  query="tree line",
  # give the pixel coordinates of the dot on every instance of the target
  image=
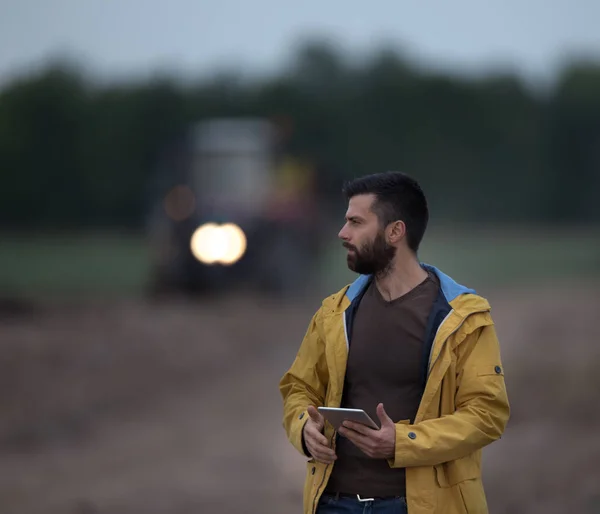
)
(75, 153)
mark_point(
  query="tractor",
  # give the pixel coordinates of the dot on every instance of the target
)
(233, 208)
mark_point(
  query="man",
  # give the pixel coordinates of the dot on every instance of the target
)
(411, 347)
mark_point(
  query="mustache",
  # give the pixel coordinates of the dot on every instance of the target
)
(348, 246)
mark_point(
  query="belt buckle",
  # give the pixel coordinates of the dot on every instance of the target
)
(364, 499)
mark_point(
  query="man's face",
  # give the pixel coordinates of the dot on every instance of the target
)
(362, 235)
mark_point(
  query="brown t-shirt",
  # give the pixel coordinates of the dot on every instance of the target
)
(385, 364)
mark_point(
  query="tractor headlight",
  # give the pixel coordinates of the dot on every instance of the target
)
(218, 244)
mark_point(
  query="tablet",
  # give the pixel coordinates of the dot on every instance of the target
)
(337, 415)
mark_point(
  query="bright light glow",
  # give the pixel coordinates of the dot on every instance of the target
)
(236, 243)
(223, 244)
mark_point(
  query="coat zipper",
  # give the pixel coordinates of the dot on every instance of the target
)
(346, 331)
(430, 364)
(333, 445)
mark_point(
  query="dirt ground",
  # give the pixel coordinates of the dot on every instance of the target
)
(131, 407)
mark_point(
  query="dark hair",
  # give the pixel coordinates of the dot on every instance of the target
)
(397, 197)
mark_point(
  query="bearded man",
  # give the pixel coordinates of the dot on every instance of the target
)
(412, 348)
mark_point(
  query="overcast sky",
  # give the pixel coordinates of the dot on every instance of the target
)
(192, 37)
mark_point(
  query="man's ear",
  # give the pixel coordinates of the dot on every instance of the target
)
(396, 231)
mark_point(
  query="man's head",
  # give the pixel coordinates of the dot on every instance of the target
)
(386, 212)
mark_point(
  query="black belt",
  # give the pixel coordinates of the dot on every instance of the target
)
(363, 498)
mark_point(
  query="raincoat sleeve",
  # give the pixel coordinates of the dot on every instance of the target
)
(482, 409)
(305, 383)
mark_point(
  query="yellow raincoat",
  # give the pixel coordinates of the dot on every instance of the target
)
(464, 405)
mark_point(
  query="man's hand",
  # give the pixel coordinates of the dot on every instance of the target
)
(314, 439)
(378, 444)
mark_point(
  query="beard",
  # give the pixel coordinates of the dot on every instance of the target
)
(373, 258)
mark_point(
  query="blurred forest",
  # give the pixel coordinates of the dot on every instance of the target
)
(75, 154)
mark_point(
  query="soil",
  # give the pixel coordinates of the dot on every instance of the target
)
(123, 407)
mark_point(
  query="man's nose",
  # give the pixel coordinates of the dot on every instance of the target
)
(343, 235)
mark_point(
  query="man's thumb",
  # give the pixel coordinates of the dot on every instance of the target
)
(315, 415)
(382, 415)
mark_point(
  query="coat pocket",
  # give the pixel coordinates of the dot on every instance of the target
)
(460, 489)
(451, 473)
(473, 496)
